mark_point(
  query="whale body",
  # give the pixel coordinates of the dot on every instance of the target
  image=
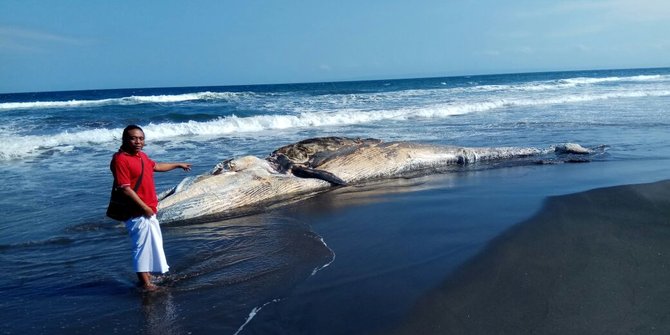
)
(248, 184)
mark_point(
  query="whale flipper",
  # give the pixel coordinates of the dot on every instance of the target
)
(305, 172)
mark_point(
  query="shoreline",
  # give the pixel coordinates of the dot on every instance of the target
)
(588, 262)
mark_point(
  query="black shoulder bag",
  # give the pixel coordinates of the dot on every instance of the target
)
(121, 207)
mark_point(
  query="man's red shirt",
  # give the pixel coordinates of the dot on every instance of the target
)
(126, 169)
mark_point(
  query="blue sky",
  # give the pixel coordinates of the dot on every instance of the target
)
(71, 44)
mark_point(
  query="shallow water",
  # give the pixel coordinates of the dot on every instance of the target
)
(377, 248)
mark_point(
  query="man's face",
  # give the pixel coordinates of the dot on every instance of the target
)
(135, 140)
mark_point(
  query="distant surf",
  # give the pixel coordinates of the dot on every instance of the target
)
(272, 111)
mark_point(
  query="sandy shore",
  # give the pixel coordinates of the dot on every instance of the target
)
(595, 262)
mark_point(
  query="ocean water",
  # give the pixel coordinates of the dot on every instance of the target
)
(300, 268)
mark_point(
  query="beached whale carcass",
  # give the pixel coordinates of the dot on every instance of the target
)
(247, 184)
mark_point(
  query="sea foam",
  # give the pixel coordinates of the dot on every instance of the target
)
(18, 147)
(130, 100)
(270, 99)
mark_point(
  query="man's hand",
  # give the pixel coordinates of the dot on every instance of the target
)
(148, 212)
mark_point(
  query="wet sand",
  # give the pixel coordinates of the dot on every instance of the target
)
(595, 262)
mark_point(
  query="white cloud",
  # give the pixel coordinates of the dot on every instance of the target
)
(641, 10)
(21, 39)
(578, 30)
(662, 46)
(630, 10)
(525, 50)
(582, 48)
(493, 53)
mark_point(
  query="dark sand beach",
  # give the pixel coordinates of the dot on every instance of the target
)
(594, 262)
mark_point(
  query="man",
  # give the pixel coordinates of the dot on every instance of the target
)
(128, 165)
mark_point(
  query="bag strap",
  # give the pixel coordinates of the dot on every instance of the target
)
(139, 180)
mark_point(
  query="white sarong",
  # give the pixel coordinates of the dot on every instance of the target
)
(147, 240)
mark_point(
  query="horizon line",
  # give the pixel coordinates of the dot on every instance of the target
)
(330, 82)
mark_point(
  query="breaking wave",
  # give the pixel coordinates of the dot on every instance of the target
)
(18, 147)
(128, 101)
(212, 97)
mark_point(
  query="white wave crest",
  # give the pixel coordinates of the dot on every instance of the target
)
(587, 80)
(131, 100)
(280, 102)
(18, 147)
(560, 84)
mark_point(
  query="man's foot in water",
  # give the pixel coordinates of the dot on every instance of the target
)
(151, 288)
(146, 282)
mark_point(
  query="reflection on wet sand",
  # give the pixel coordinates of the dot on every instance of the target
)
(373, 192)
(589, 263)
(160, 313)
